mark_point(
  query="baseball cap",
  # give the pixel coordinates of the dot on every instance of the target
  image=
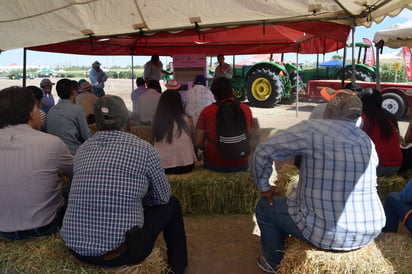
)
(200, 80)
(46, 82)
(81, 81)
(111, 113)
(96, 63)
(343, 104)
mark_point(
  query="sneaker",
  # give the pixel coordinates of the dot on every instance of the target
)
(264, 265)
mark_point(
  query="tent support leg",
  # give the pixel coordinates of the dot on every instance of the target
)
(24, 66)
(132, 73)
(297, 82)
(353, 54)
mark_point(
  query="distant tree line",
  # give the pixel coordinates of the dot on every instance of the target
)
(114, 72)
(388, 72)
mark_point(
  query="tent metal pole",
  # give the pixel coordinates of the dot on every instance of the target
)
(378, 75)
(132, 73)
(344, 66)
(24, 66)
(353, 53)
(297, 81)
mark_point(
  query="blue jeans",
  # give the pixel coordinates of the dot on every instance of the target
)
(275, 225)
(386, 170)
(395, 210)
(225, 168)
(99, 92)
(51, 228)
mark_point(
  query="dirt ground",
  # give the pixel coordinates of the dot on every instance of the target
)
(220, 244)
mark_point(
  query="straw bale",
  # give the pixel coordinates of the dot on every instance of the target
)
(49, 255)
(301, 257)
(259, 134)
(406, 174)
(93, 128)
(288, 176)
(389, 184)
(143, 132)
(205, 192)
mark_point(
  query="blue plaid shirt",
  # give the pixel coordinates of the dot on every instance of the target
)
(335, 204)
(115, 176)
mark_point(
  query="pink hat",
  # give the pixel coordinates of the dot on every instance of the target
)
(85, 86)
(173, 84)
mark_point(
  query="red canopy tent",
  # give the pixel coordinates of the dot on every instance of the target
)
(257, 59)
(305, 37)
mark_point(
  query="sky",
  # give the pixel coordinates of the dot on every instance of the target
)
(56, 60)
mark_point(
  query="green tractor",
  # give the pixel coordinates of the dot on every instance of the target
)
(332, 70)
(264, 84)
(267, 83)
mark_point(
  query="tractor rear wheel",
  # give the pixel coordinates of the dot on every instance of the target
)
(264, 88)
(359, 76)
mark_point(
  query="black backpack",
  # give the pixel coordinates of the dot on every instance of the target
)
(231, 130)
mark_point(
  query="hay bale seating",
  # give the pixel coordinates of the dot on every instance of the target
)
(49, 255)
(205, 192)
(389, 253)
(289, 173)
(143, 132)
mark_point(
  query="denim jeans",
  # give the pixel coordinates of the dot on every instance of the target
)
(51, 228)
(275, 225)
(395, 210)
(386, 170)
(99, 92)
(225, 168)
(180, 169)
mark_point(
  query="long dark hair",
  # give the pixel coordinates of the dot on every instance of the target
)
(169, 110)
(372, 106)
(154, 84)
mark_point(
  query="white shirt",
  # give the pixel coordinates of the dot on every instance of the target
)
(197, 99)
(147, 104)
(31, 162)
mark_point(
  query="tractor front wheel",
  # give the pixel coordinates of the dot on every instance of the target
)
(394, 103)
(264, 88)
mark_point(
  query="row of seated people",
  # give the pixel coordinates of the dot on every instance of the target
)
(184, 123)
(69, 118)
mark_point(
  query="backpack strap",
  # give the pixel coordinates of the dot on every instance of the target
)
(218, 104)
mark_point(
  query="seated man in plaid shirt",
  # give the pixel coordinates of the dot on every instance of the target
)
(120, 197)
(335, 205)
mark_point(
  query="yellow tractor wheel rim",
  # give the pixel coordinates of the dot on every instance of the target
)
(261, 89)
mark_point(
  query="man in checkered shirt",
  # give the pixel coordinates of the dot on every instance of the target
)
(335, 205)
(120, 199)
